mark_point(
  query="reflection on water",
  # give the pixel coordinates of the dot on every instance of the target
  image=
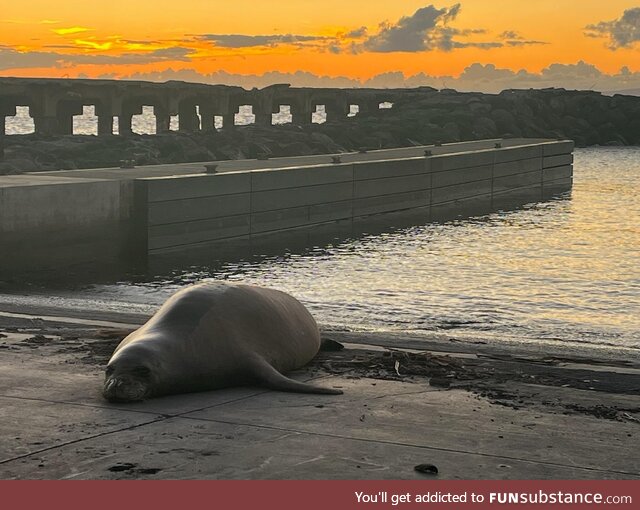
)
(566, 269)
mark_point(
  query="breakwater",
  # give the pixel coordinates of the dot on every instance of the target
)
(53, 103)
(176, 122)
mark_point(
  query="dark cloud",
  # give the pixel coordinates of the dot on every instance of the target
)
(444, 40)
(515, 39)
(510, 34)
(523, 42)
(357, 33)
(470, 31)
(418, 32)
(172, 53)
(140, 41)
(248, 41)
(426, 29)
(13, 59)
(10, 58)
(480, 45)
(622, 33)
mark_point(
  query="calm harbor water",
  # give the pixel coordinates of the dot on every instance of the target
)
(565, 270)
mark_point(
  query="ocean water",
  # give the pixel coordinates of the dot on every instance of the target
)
(566, 270)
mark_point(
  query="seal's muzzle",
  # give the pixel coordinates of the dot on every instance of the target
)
(125, 388)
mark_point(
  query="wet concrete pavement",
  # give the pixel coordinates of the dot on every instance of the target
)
(55, 425)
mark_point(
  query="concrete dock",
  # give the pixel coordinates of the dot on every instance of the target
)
(111, 217)
(534, 416)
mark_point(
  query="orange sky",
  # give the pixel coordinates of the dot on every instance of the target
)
(119, 38)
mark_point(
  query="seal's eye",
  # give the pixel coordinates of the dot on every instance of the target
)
(142, 371)
(109, 370)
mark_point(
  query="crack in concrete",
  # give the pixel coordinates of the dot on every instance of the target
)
(410, 445)
(162, 417)
(79, 440)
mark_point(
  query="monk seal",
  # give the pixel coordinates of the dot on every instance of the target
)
(216, 335)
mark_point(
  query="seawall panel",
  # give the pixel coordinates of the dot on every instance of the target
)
(194, 232)
(517, 153)
(558, 160)
(185, 210)
(391, 185)
(517, 167)
(559, 147)
(557, 173)
(456, 161)
(522, 180)
(279, 178)
(196, 186)
(462, 175)
(300, 196)
(73, 204)
(389, 203)
(49, 227)
(461, 191)
(390, 168)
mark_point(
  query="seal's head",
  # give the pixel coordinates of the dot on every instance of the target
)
(130, 375)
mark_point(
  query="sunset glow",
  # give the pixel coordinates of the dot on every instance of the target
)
(357, 40)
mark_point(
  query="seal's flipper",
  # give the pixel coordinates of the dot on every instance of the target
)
(274, 380)
(327, 344)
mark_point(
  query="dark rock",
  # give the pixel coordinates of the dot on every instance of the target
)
(505, 122)
(427, 469)
(451, 132)
(484, 127)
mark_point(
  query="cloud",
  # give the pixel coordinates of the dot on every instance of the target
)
(523, 42)
(514, 39)
(445, 40)
(13, 59)
(429, 29)
(426, 29)
(476, 77)
(174, 53)
(580, 76)
(10, 58)
(248, 41)
(357, 33)
(510, 34)
(297, 79)
(622, 33)
(70, 30)
(418, 32)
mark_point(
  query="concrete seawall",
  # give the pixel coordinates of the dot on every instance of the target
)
(187, 211)
(110, 217)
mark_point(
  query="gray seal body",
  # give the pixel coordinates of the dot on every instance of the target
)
(216, 335)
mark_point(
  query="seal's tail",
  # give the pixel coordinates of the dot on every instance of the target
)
(274, 380)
